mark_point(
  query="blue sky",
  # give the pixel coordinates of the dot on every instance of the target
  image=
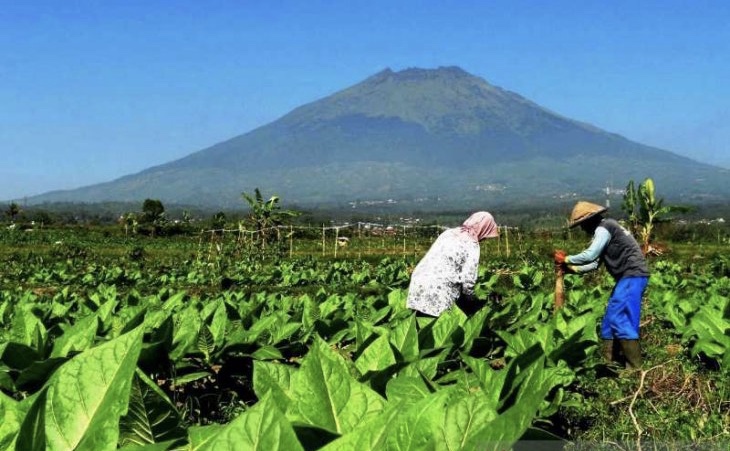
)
(94, 90)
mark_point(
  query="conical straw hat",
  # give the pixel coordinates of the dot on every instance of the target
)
(584, 210)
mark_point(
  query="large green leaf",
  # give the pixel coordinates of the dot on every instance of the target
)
(38, 373)
(418, 426)
(404, 338)
(523, 339)
(490, 380)
(369, 435)
(199, 436)
(175, 301)
(376, 357)
(406, 390)
(205, 342)
(426, 367)
(464, 417)
(274, 378)
(443, 331)
(473, 327)
(32, 436)
(10, 420)
(161, 446)
(325, 394)
(264, 427)
(185, 334)
(84, 399)
(267, 353)
(507, 428)
(397, 299)
(364, 334)
(151, 417)
(285, 330)
(105, 312)
(218, 324)
(27, 329)
(78, 337)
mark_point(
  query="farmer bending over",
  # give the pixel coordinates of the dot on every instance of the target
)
(620, 253)
(449, 268)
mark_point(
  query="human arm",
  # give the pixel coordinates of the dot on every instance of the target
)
(469, 272)
(588, 259)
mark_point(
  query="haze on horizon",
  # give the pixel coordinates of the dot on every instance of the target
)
(93, 92)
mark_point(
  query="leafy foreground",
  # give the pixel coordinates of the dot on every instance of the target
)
(321, 402)
(302, 354)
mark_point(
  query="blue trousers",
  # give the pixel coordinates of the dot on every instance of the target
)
(623, 311)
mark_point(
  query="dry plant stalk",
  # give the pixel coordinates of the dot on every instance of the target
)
(559, 288)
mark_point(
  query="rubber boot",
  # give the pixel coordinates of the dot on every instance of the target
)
(607, 351)
(632, 352)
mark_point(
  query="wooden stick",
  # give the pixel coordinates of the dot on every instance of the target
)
(559, 288)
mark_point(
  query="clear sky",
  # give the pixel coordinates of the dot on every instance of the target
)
(94, 90)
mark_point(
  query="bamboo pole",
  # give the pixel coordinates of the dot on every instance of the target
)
(559, 289)
(337, 239)
(404, 240)
(506, 241)
(499, 244)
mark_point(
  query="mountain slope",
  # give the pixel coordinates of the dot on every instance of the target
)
(413, 134)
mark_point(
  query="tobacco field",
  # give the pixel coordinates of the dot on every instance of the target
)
(160, 344)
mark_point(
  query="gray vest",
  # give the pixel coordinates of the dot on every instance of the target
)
(622, 255)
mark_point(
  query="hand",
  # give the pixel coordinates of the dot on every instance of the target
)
(559, 256)
(569, 269)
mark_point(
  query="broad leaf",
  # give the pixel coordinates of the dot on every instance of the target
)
(267, 353)
(86, 396)
(406, 390)
(490, 380)
(376, 357)
(151, 417)
(473, 327)
(404, 338)
(325, 395)
(369, 435)
(264, 427)
(185, 335)
(417, 427)
(464, 417)
(507, 428)
(78, 337)
(206, 342)
(10, 420)
(274, 378)
(199, 436)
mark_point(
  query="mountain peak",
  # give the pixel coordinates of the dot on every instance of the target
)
(412, 133)
(420, 74)
(441, 71)
(447, 100)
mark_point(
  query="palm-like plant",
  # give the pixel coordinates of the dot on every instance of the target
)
(266, 215)
(644, 210)
(12, 211)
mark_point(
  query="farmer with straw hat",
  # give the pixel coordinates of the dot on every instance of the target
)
(614, 246)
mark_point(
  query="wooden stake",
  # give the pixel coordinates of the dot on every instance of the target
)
(404, 240)
(337, 239)
(506, 240)
(559, 288)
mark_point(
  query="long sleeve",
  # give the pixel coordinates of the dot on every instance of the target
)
(470, 272)
(588, 259)
(449, 268)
